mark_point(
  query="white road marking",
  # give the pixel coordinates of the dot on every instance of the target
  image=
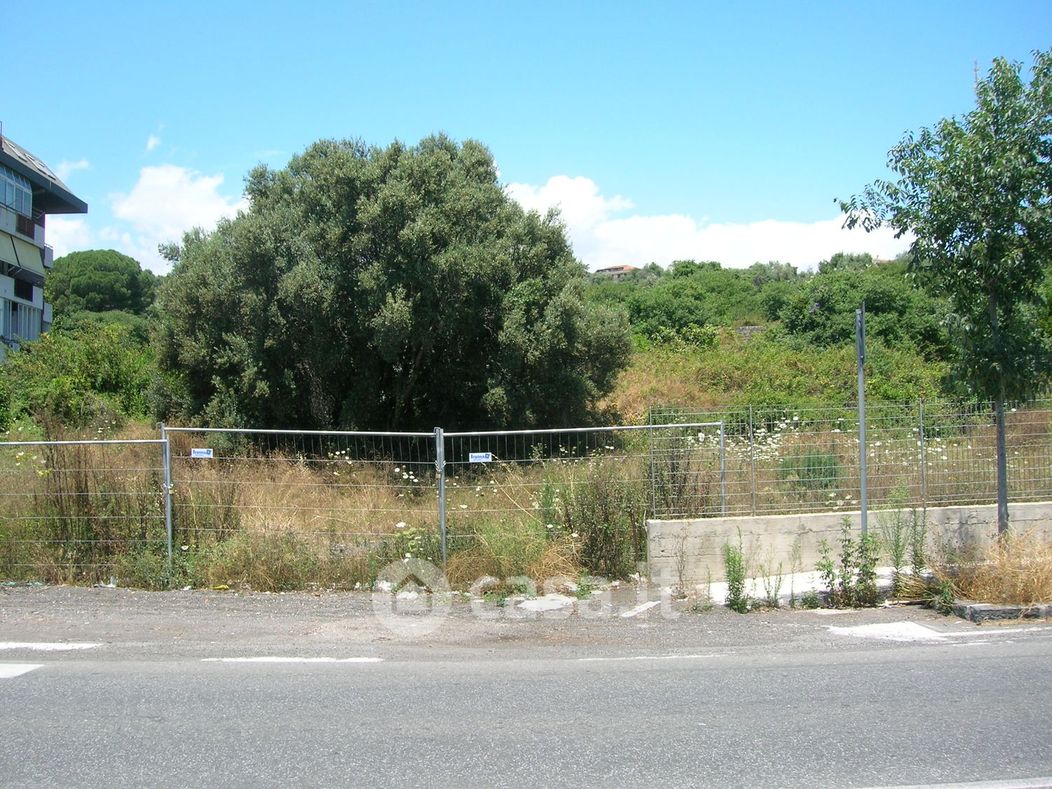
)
(1012, 783)
(644, 657)
(9, 670)
(276, 659)
(912, 631)
(994, 631)
(639, 609)
(548, 602)
(890, 631)
(45, 646)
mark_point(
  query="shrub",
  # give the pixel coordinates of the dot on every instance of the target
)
(852, 581)
(606, 512)
(146, 567)
(734, 565)
(811, 470)
(5, 401)
(897, 529)
(89, 376)
(279, 561)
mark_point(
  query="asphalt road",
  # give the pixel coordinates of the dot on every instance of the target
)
(202, 689)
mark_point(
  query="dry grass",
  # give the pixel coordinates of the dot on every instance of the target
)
(335, 521)
(1017, 569)
(538, 559)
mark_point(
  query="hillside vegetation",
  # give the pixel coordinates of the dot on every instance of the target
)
(701, 335)
(400, 288)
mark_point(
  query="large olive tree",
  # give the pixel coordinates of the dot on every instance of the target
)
(395, 287)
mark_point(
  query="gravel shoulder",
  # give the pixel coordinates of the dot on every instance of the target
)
(204, 623)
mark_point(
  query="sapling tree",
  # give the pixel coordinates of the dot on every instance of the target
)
(975, 194)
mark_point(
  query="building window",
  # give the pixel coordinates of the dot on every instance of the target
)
(25, 226)
(16, 193)
(24, 290)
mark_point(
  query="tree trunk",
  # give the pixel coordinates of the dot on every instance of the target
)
(1002, 469)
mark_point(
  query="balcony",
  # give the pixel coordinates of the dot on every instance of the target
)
(49, 257)
(14, 223)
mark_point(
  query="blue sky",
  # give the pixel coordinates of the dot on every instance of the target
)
(665, 130)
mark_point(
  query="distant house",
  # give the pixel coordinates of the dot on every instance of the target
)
(615, 272)
(29, 191)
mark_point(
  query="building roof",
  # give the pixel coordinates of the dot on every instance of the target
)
(615, 269)
(50, 195)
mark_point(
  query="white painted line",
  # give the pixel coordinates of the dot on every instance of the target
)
(639, 609)
(274, 659)
(993, 631)
(1012, 783)
(643, 657)
(548, 602)
(44, 646)
(890, 631)
(9, 670)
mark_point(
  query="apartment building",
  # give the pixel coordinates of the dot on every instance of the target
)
(29, 191)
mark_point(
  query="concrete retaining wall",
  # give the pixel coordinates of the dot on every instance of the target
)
(690, 551)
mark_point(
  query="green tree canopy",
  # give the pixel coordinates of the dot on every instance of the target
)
(689, 294)
(976, 194)
(822, 310)
(395, 287)
(98, 280)
(92, 375)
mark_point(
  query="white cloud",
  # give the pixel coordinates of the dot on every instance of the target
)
(600, 238)
(166, 201)
(578, 200)
(152, 142)
(66, 169)
(67, 234)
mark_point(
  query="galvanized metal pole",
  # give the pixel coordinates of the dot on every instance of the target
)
(860, 346)
(651, 462)
(440, 469)
(723, 470)
(923, 462)
(752, 461)
(166, 458)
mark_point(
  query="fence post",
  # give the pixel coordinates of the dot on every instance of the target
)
(166, 458)
(723, 470)
(651, 468)
(860, 346)
(923, 462)
(440, 470)
(752, 462)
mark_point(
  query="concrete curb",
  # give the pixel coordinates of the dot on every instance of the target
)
(995, 612)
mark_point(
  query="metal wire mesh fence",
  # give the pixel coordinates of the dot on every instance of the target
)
(279, 509)
(784, 460)
(595, 485)
(73, 511)
(349, 502)
(335, 505)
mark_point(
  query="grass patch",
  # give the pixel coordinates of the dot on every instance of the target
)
(1016, 570)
